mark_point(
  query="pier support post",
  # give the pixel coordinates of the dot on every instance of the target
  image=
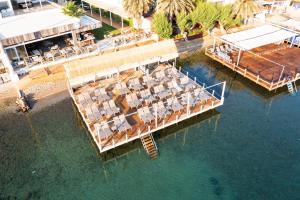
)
(239, 57)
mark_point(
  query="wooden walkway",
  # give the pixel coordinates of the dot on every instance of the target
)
(269, 66)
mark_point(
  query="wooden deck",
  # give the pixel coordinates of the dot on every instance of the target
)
(269, 66)
(138, 127)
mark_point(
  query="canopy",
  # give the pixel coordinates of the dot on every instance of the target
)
(84, 70)
(292, 24)
(28, 27)
(114, 6)
(259, 36)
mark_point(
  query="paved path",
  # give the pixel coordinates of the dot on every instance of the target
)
(106, 20)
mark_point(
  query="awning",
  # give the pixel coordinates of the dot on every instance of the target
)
(84, 70)
(291, 24)
(259, 36)
(114, 6)
(36, 25)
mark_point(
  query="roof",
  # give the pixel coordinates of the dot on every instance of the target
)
(33, 22)
(114, 62)
(28, 27)
(292, 24)
(114, 6)
(259, 36)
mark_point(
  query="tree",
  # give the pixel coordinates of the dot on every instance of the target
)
(245, 9)
(182, 20)
(136, 8)
(174, 7)
(73, 10)
(162, 26)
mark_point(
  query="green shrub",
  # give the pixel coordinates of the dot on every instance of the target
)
(182, 22)
(162, 26)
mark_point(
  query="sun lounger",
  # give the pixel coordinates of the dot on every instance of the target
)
(160, 109)
(96, 111)
(133, 101)
(145, 114)
(107, 110)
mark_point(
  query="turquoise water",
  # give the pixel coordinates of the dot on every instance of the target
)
(247, 149)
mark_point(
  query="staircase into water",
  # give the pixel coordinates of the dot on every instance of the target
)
(150, 146)
(291, 87)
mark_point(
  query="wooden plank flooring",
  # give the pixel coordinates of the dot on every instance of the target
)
(138, 126)
(257, 64)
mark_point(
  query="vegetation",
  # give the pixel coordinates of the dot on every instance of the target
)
(136, 8)
(73, 10)
(162, 26)
(245, 9)
(104, 30)
(172, 8)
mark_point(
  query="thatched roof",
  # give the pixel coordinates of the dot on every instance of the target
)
(121, 60)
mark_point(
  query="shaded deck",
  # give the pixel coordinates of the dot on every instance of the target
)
(138, 127)
(269, 66)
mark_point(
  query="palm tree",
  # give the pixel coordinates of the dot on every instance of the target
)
(136, 8)
(174, 7)
(245, 9)
(73, 10)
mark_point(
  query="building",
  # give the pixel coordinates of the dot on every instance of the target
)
(43, 37)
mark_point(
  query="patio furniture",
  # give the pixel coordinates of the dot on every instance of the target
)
(113, 107)
(172, 72)
(149, 81)
(122, 88)
(160, 108)
(135, 84)
(133, 101)
(101, 94)
(160, 75)
(89, 114)
(145, 114)
(174, 104)
(160, 91)
(121, 124)
(49, 56)
(96, 111)
(103, 130)
(36, 52)
(173, 87)
(187, 98)
(187, 83)
(147, 96)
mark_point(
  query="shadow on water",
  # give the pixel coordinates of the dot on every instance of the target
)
(125, 150)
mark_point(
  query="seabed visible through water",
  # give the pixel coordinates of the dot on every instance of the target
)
(247, 149)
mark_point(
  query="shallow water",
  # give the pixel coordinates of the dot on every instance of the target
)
(247, 149)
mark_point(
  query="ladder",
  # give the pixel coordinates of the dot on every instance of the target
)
(150, 146)
(291, 88)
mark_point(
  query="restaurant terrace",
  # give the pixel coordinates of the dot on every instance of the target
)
(267, 55)
(137, 93)
(42, 40)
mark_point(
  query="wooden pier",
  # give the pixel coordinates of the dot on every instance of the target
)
(121, 106)
(271, 66)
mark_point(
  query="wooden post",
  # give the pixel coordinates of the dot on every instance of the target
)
(122, 23)
(257, 78)
(239, 57)
(91, 9)
(223, 91)
(110, 18)
(245, 71)
(156, 116)
(100, 13)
